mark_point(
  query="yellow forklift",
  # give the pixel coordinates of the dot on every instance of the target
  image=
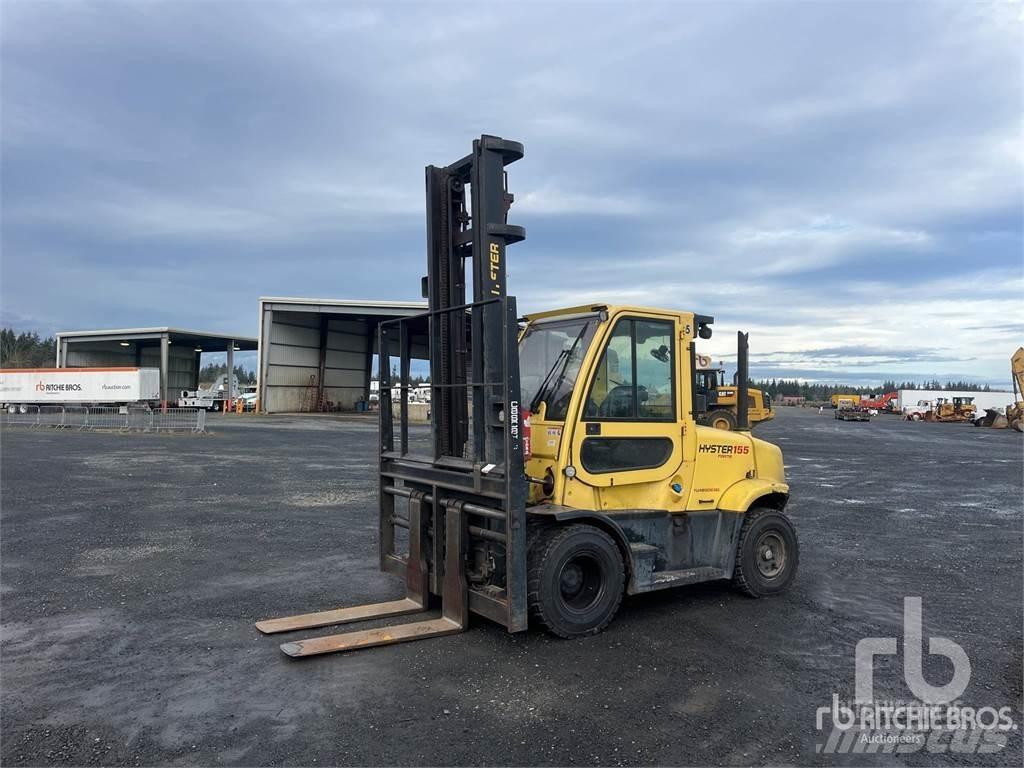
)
(721, 399)
(565, 466)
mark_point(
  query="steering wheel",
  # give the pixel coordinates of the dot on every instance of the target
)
(618, 403)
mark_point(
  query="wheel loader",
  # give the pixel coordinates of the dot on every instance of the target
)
(1013, 415)
(565, 467)
(720, 398)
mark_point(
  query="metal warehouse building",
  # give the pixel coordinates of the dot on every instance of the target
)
(316, 351)
(175, 352)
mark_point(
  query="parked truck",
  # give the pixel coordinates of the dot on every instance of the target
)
(22, 387)
(847, 412)
(850, 400)
(886, 402)
(212, 399)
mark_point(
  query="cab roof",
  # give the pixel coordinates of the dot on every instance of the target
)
(614, 309)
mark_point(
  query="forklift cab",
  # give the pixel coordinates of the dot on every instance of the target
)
(708, 380)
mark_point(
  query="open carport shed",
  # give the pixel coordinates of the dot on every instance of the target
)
(174, 351)
(320, 351)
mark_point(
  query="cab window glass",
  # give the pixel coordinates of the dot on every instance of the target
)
(654, 364)
(634, 378)
(611, 394)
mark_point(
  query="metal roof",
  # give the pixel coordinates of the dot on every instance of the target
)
(344, 306)
(214, 340)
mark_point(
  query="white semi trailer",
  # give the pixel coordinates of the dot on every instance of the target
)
(42, 386)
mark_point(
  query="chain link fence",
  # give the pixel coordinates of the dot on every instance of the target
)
(123, 418)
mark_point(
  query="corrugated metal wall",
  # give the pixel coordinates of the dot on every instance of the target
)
(181, 361)
(293, 360)
(105, 356)
(181, 367)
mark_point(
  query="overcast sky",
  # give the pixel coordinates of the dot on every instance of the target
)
(843, 180)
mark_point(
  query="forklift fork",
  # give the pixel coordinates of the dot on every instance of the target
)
(475, 462)
(454, 611)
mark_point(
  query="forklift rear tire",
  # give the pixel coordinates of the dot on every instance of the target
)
(767, 554)
(722, 420)
(575, 580)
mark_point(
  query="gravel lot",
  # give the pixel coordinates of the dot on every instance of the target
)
(133, 567)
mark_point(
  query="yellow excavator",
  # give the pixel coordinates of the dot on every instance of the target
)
(719, 405)
(565, 467)
(1014, 412)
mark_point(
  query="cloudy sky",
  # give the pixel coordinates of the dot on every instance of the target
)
(843, 180)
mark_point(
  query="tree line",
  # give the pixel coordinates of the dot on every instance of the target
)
(415, 379)
(27, 350)
(210, 372)
(796, 388)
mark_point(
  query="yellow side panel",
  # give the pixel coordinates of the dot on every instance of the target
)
(739, 497)
(722, 458)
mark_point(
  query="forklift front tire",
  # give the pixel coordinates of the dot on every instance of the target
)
(575, 580)
(767, 554)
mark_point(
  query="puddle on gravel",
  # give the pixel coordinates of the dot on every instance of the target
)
(121, 554)
(332, 498)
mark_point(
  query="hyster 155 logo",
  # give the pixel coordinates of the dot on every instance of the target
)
(724, 450)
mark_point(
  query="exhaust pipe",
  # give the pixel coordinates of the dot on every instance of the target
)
(742, 377)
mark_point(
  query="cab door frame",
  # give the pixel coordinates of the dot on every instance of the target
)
(634, 427)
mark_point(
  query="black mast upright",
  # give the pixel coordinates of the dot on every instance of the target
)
(479, 233)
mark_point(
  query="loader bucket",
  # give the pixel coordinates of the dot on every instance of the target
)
(993, 418)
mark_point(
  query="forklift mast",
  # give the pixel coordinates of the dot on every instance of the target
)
(463, 504)
(474, 467)
(479, 236)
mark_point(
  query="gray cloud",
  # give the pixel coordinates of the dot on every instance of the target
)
(757, 162)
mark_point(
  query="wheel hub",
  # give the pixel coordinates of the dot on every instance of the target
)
(579, 582)
(771, 554)
(571, 580)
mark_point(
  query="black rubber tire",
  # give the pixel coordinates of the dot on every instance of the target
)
(723, 415)
(747, 576)
(558, 547)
